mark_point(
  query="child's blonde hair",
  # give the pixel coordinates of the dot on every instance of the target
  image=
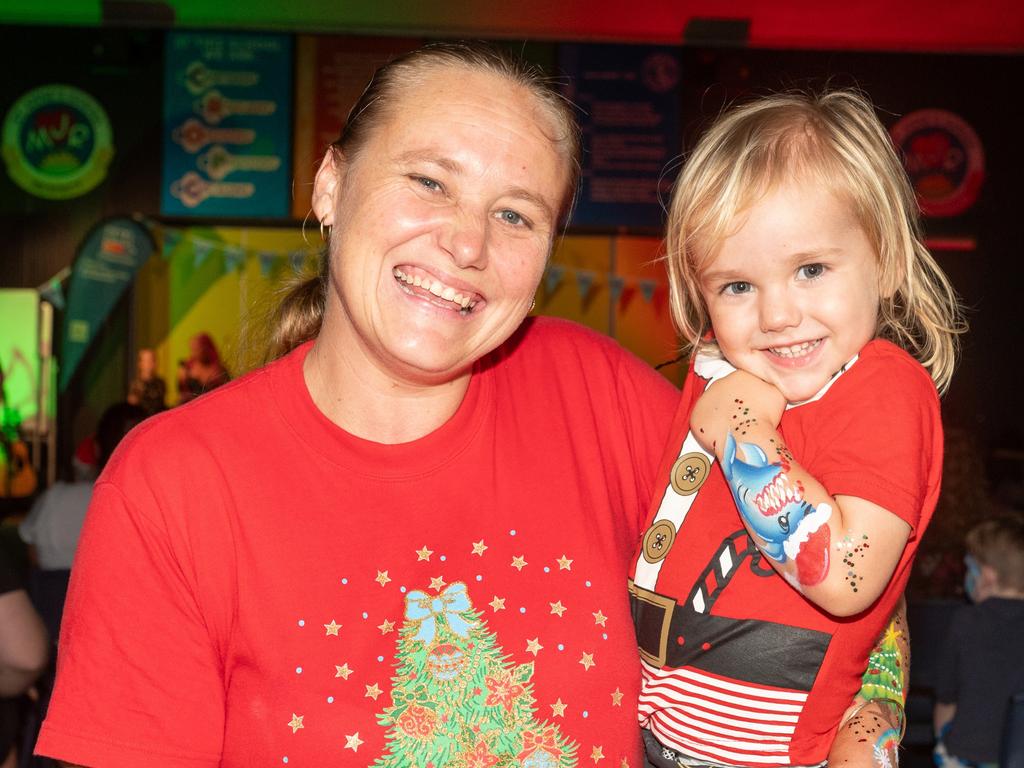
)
(833, 139)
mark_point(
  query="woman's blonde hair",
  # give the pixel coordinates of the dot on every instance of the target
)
(833, 139)
(300, 313)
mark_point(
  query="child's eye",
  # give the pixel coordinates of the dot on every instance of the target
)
(737, 288)
(811, 271)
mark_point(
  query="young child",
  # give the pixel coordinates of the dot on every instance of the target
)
(800, 281)
(982, 665)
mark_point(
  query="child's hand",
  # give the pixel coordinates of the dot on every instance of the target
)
(737, 400)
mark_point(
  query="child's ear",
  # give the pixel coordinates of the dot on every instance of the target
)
(988, 580)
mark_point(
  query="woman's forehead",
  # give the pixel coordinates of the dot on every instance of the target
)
(458, 117)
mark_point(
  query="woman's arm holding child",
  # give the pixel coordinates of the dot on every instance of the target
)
(838, 552)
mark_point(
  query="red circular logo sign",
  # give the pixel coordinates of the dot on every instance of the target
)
(944, 158)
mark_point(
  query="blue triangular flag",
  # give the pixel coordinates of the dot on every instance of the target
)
(201, 250)
(584, 282)
(553, 277)
(616, 283)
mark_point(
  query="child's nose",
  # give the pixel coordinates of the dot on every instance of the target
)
(778, 311)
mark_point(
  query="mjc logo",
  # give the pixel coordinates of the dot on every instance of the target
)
(57, 142)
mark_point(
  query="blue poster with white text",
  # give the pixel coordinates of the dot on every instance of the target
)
(227, 125)
(628, 97)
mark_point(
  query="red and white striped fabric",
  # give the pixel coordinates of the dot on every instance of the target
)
(718, 720)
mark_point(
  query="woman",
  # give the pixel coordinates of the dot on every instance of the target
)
(416, 526)
(202, 371)
(414, 530)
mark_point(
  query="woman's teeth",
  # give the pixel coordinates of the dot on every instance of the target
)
(435, 287)
(795, 350)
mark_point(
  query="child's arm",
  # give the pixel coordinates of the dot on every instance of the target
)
(839, 552)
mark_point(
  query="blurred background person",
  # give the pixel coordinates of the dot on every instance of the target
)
(147, 390)
(202, 371)
(24, 651)
(54, 523)
(982, 666)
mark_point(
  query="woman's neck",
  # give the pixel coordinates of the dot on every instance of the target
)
(355, 393)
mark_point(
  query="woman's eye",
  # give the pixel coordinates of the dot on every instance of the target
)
(811, 271)
(429, 183)
(736, 288)
(511, 217)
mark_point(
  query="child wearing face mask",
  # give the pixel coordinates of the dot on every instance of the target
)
(822, 332)
(982, 666)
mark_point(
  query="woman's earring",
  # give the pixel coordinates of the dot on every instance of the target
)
(533, 305)
(322, 235)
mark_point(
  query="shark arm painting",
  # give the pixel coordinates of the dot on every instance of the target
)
(793, 533)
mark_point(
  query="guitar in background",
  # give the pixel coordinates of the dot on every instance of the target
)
(17, 475)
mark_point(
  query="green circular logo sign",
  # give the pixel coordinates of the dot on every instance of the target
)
(57, 142)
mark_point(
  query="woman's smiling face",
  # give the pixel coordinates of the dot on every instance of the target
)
(442, 223)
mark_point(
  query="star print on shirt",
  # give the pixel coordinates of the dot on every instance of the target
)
(343, 671)
(372, 692)
(479, 547)
(532, 646)
(558, 608)
(597, 753)
(617, 698)
(587, 660)
(558, 708)
(498, 603)
(436, 583)
(424, 554)
(519, 562)
(564, 563)
(332, 628)
(352, 742)
(387, 626)
(600, 618)
(296, 722)
(382, 578)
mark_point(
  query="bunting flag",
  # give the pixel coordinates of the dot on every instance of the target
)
(584, 282)
(201, 250)
(616, 284)
(53, 289)
(628, 292)
(647, 289)
(54, 293)
(234, 258)
(553, 277)
(171, 240)
(203, 247)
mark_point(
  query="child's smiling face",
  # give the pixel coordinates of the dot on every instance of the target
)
(793, 293)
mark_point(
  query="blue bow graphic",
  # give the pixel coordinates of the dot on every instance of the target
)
(421, 607)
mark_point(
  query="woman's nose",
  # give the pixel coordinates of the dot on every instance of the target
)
(465, 239)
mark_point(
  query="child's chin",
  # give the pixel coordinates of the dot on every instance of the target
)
(799, 392)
